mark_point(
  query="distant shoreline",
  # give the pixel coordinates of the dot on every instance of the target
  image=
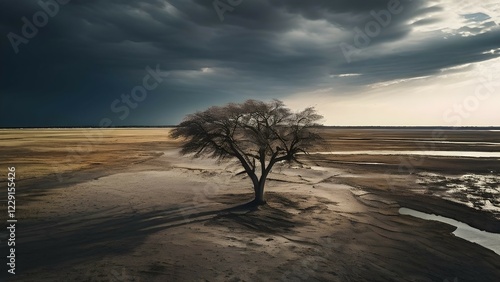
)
(326, 126)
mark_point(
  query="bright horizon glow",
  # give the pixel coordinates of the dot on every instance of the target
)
(460, 95)
(467, 98)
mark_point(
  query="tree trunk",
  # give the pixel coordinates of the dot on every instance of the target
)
(259, 195)
(259, 186)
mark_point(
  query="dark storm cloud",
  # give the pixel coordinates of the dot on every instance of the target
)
(92, 52)
(427, 60)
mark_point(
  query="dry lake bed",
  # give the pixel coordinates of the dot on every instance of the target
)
(369, 205)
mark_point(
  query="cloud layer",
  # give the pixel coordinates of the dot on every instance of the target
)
(91, 52)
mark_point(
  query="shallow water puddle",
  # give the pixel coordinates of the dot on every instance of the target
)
(486, 239)
(467, 154)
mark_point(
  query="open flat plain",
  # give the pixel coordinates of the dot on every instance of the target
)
(123, 205)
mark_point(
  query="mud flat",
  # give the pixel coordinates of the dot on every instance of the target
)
(486, 239)
(129, 208)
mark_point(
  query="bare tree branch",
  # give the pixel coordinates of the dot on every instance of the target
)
(254, 132)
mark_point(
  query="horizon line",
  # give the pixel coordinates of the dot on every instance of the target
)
(324, 126)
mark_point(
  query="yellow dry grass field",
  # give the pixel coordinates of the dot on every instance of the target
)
(42, 152)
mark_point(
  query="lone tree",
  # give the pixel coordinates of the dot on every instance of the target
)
(257, 133)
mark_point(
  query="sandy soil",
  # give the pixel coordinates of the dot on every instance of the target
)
(147, 214)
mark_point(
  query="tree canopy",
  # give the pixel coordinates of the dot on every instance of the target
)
(258, 134)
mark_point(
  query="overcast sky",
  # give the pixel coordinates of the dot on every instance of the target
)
(378, 62)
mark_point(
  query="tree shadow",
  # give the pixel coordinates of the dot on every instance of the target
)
(270, 218)
(73, 239)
